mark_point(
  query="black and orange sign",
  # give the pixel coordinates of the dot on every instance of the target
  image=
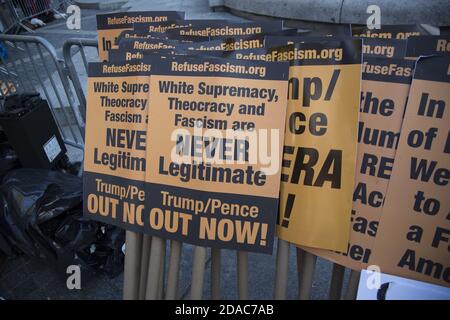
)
(215, 137)
(414, 232)
(115, 147)
(226, 44)
(428, 45)
(225, 28)
(136, 49)
(389, 31)
(384, 48)
(110, 25)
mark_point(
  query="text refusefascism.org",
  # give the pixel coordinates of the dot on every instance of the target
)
(137, 19)
(335, 54)
(228, 67)
(222, 31)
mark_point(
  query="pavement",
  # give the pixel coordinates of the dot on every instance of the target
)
(30, 278)
(342, 11)
(57, 32)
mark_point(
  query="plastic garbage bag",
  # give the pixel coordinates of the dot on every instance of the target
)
(5, 248)
(41, 215)
(8, 159)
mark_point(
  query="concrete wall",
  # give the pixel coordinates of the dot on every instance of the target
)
(435, 12)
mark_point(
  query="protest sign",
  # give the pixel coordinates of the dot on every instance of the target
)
(428, 45)
(414, 230)
(259, 54)
(271, 41)
(215, 136)
(385, 89)
(228, 29)
(115, 147)
(389, 31)
(226, 44)
(110, 25)
(332, 30)
(320, 142)
(384, 48)
(135, 49)
(144, 28)
(372, 47)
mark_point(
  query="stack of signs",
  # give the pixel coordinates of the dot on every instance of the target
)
(225, 134)
(383, 101)
(183, 144)
(414, 232)
(110, 26)
(400, 219)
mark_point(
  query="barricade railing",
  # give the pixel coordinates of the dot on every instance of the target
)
(8, 16)
(31, 65)
(17, 11)
(84, 51)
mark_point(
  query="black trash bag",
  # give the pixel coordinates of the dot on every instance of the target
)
(65, 165)
(32, 197)
(5, 247)
(109, 250)
(42, 216)
(97, 246)
(8, 159)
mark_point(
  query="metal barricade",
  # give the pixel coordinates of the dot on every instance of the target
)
(77, 49)
(19, 11)
(8, 16)
(31, 65)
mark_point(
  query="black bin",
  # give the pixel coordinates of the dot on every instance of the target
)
(31, 130)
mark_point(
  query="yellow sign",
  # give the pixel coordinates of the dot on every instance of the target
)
(320, 144)
(383, 101)
(414, 233)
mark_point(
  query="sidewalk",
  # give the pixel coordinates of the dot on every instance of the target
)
(57, 32)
